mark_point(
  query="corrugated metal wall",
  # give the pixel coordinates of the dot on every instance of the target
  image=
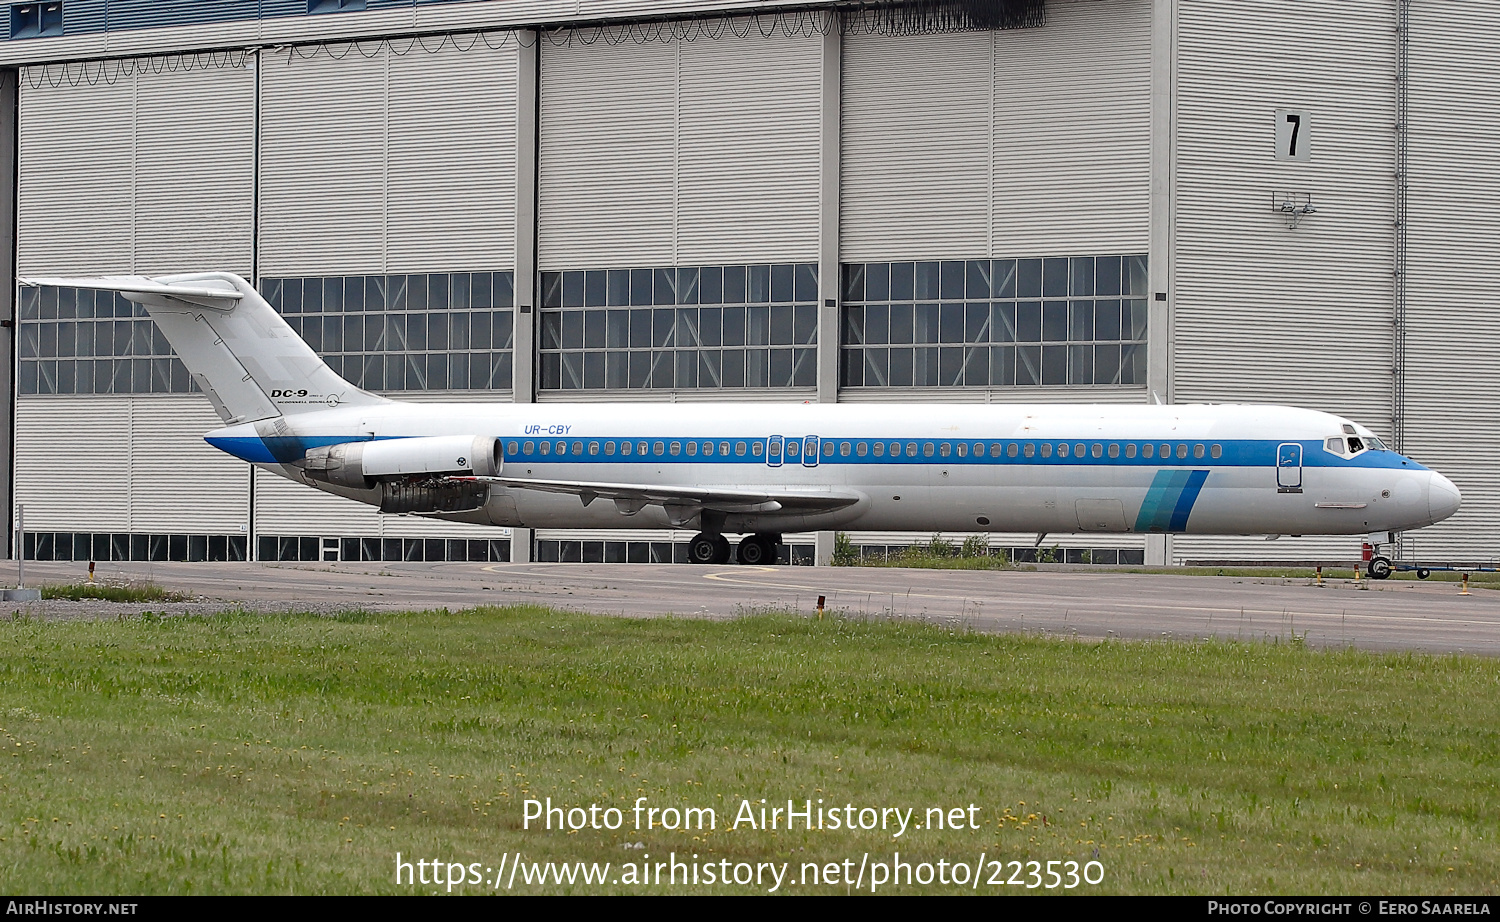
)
(1264, 313)
(388, 158)
(126, 464)
(1015, 143)
(686, 153)
(144, 166)
(1453, 247)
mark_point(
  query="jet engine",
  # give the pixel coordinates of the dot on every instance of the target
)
(412, 474)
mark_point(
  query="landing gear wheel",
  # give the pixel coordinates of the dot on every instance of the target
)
(1379, 568)
(757, 551)
(1423, 572)
(710, 549)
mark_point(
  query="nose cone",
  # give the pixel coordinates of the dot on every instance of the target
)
(1443, 498)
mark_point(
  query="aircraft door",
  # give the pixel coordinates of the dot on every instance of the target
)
(1289, 467)
(810, 451)
(773, 451)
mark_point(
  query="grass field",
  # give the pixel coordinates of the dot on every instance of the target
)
(111, 592)
(299, 754)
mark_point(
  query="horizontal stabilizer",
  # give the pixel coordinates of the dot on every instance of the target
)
(199, 294)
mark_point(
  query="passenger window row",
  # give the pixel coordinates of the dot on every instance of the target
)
(844, 449)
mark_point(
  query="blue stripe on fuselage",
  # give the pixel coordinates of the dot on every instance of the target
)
(285, 449)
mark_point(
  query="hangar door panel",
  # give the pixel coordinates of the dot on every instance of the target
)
(452, 160)
(916, 146)
(384, 157)
(749, 164)
(137, 166)
(1026, 142)
(680, 153)
(1452, 419)
(126, 464)
(73, 463)
(178, 482)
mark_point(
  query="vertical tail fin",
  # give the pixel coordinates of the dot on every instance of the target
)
(241, 353)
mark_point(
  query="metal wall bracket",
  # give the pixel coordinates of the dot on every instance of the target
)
(1294, 205)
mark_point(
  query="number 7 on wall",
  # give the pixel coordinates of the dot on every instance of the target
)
(1292, 136)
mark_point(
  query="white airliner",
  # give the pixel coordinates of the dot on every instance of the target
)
(759, 470)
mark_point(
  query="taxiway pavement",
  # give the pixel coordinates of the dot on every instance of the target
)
(1390, 615)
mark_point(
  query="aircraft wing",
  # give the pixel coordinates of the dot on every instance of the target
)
(682, 503)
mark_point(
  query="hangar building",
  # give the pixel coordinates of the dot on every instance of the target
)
(1116, 201)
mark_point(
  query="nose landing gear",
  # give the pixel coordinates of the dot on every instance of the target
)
(1377, 565)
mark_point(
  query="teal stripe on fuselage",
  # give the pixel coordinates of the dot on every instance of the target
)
(1169, 500)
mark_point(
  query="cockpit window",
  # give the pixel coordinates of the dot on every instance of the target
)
(1355, 445)
(1335, 445)
(1375, 444)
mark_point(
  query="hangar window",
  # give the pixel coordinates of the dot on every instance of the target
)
(34, 20)
(334, 6)
(994, 323)
(700, 327)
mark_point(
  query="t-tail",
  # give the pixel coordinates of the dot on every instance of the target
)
(252, 366)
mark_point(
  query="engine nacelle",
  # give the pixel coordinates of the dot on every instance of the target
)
(361, 465)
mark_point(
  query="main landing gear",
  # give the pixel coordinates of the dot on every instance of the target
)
(753, 550)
